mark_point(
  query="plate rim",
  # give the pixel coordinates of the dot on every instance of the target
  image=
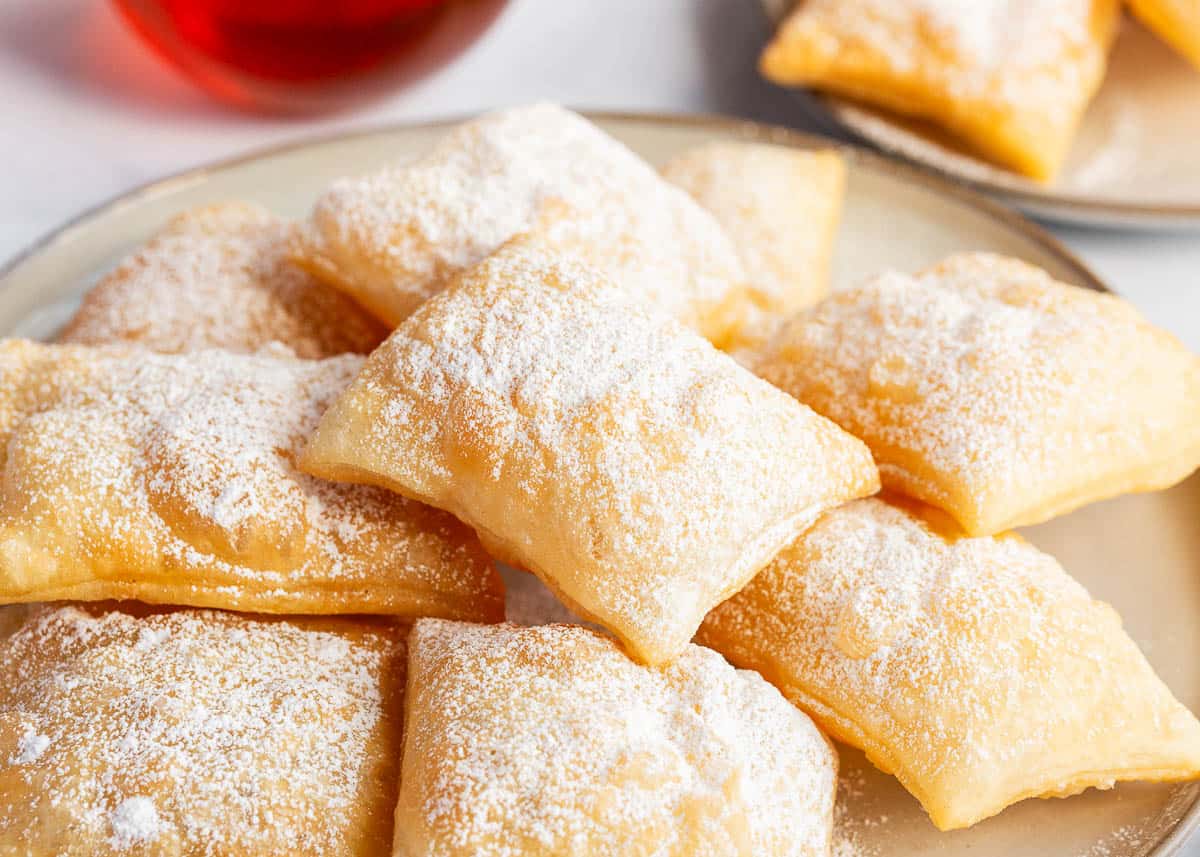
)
(1075, 208)
(747, 129)
(1096, 208)
(1171, 841)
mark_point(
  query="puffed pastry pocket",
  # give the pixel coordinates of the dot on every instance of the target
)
(198, 733)
(781, 207)
(219, 277)
(127, 474)
(394, 238)
(643, 475)
(550, 741)
(986, 388)
(973, 669)
(1010, 78)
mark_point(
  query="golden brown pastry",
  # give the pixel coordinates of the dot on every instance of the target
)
(218, 277)
(171, 479)
(1176, 21)
(549, 741)
(986, 388)
(1010, 78)
(639, 472)
(974, 669)
(781, 207)
(394, 238)
(197, 733)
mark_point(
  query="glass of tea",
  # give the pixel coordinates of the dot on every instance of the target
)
(300, 56)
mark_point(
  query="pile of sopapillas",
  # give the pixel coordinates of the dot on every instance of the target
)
(545, 315)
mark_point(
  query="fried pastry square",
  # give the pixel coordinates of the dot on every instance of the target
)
(781, 206)
(198, 733)
(973, 669)
(1175, 21)
(639, 472)
(548, 740)
(986, 388)
(1010, 78)
(219, 277)
(171, 479)
(393, 239)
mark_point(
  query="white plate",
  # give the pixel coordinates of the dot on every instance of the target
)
(1134, 162)
(1140, 553)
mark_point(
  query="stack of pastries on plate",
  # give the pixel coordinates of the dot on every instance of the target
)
(1008, 79)
(280, 626)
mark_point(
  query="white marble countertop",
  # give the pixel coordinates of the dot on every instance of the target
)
(89, 113)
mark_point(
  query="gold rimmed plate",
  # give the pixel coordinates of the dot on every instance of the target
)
(1140, 553)
(1133, 163)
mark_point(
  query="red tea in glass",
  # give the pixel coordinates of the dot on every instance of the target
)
(307, 55)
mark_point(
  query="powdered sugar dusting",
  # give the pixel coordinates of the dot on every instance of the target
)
(1127, 839)
(179, 470)
(151, 637)
(135, 820)
(231, 736)
(1035, 54)
(666, 473)
(995, 32)
(218, 277)
(980, 385)
(550, 740)
(849, 822)
(30, 748)
(950, 658)
(395, 237)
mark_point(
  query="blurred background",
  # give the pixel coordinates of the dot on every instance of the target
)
(92, 108)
